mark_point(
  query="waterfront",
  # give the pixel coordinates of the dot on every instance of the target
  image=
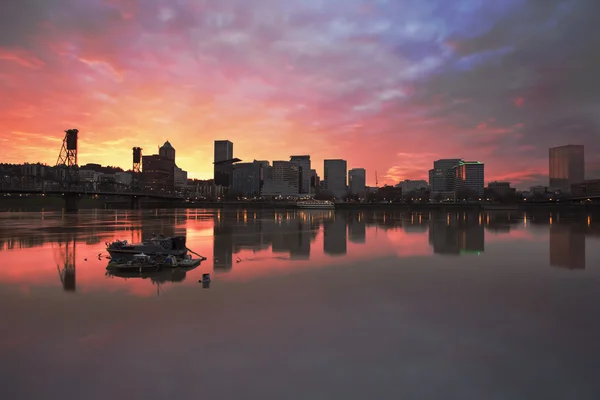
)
(304, 305)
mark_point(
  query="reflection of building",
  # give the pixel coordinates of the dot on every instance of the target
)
(457, 233)
(335, 177)
(566, 167)
(357, 230)
(223, 243)
(567, 247)
(334, 236)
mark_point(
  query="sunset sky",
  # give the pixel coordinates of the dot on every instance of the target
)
(388, 85)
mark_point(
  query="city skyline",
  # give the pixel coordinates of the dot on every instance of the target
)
(388, 88)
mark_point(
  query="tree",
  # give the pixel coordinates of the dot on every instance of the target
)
(324, 195)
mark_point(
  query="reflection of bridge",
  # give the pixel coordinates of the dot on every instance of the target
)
(64, 255)
(65, 181)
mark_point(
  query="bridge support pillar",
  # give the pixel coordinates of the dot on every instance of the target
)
(71, 201)
(135, 203)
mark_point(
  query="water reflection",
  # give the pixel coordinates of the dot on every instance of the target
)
(454, 299)
(273, 238)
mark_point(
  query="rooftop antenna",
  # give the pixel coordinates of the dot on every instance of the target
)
(376, 180)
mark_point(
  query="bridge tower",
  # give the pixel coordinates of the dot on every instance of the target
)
(67, 158)
(65, 263)
(136, 171)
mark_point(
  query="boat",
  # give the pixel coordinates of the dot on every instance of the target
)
(315, 204)
(123, 250)
(140, 263)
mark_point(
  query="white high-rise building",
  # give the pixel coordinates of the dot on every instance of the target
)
(335, 172)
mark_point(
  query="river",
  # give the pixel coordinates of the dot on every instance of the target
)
(303, 305)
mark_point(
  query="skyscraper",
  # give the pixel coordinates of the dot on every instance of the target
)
(566, 166)
(303, 163)
(223, 167)
(442, 177)
(469, 178)
(335, 177)
(357, 180)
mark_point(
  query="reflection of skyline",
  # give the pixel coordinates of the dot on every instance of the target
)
(65, 231)
(273, 238)
(457, 233)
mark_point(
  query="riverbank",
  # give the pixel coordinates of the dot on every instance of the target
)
(48, 203)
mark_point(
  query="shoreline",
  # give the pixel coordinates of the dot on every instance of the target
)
(32, 204)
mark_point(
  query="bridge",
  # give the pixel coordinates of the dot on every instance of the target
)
(65, 181)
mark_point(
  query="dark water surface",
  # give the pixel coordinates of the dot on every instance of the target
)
(304, 305)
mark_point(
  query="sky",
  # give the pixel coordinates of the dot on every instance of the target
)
(387, 85)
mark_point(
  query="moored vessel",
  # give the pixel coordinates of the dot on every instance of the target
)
(174, 246)
(315, 204)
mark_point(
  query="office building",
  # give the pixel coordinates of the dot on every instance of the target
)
(469, 179)
(284, 180)
(159, 169)
(181, 178)
(408, 185)
(315, 181)
(357, 181)
(335, 172)
(223, 163)
(303, 164)
(566, 167)
(248, 178)
(442, 177)
(501, 189)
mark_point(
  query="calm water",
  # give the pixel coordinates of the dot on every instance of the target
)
(304, 305)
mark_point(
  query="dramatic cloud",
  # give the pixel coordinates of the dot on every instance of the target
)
(390, 86)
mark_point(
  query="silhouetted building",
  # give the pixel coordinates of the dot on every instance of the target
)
(159, 172)
(469, 178)
(303, 164)
(567, 166)
(248, 178)
(408, 185)
(284, 179)
(442, 177)
(390, 193)
(357, 181)
(335, 172)
(501, 189)
(223, 163)
(586, 189)
(167, 151)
